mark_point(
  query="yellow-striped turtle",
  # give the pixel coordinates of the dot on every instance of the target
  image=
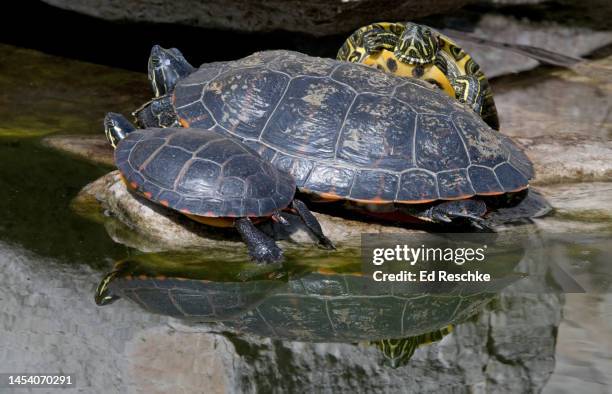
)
(411, 50)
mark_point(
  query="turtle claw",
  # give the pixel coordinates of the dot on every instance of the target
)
(459, 210)
(326, 243)
(278, 218)
(440, 217)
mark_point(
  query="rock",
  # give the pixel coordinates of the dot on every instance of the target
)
(569, 158)
(94, 148)
(579, 207)
(155, 228)
(562, 119)
(554, 36)
(544, 102)
(582, 345)
(48, 320)
(318, 17)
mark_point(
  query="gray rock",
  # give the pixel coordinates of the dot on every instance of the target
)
(579, 207)
(317, 17)
(569, 158)
(49, 322)
(552, 103)
(569, 40)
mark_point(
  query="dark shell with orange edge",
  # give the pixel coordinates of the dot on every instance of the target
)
(202, 173)
(347, 131)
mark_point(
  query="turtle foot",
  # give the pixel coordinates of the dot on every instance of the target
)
(460, 211)
(262, 248)
(266, 253)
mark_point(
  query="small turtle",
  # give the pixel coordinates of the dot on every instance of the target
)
(393, 147)
(413, 50)
(209, 177)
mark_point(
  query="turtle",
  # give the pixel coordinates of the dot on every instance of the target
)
(306, 300)
(391, 147)
(413, 50)
(209, 177)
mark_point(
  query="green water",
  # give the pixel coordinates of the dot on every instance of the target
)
(36, 187)
(48, 94)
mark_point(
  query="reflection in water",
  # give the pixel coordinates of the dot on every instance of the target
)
(322, 301)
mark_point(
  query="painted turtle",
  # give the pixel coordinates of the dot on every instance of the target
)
(209, 177)
(411, 50)
(306, 301)
(391, 146)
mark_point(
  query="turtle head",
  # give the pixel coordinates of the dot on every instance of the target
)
(116, 128)
(104, 296)
(418, 44)
(166, 67)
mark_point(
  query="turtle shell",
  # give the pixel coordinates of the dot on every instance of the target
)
(202, 173)
(345, 130)
(450, 61)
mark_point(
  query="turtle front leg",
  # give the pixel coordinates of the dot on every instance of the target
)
(311, 223)
(261, 248)
(448, 212)
(468, 90)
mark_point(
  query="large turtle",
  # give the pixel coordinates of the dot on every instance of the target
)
(394, 147)
(412, 50)
(306, 300)
(209, 177)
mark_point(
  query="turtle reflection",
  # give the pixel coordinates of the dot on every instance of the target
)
(322, 301)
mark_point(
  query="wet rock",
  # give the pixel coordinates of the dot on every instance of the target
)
(579, 207)
(94, 148)
(582, 364)
(158, 228)
(318, 17)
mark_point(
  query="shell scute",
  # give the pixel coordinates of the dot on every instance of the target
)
(378, 132)
(438, 146)
(374, 185)
(308, 118)
(242, 100)
(417, 185)
(484, 180)
(454, 184)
